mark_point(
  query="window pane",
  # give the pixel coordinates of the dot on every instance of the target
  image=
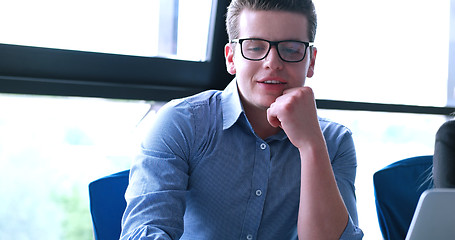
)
(51, 148)
(194, 26)
(383, 51)
(141, 28)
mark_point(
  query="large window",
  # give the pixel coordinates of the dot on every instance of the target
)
(391, 51)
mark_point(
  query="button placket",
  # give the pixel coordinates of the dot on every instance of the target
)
(258, 191)
(263, 146)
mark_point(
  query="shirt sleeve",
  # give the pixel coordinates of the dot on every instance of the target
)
(344, 163)
(159, 178)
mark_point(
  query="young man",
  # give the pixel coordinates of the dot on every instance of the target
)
(252, 161)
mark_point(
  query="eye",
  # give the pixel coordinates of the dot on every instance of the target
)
(255, 48)
(292, 48)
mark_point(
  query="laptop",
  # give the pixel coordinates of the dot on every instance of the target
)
(434, 217)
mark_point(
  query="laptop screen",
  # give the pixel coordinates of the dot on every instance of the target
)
(434, 217)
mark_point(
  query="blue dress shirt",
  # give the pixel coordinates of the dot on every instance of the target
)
(203, 173)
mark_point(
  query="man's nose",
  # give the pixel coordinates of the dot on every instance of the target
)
(273, 59)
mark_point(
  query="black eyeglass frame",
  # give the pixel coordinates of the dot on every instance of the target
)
(271, 44)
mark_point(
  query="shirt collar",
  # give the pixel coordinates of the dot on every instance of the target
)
(230, 104)
(232, 109)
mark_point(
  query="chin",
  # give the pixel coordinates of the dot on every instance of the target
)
(267, 102)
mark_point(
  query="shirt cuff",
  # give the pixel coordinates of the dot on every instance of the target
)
(351, 232)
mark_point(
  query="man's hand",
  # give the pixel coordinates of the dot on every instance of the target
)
(295, 113)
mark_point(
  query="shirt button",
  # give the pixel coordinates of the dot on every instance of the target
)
(258, 192)
(249, 237)
(263, 146)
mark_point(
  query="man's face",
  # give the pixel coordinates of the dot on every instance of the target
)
(261, 82)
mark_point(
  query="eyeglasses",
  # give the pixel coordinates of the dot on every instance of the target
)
(256, 49)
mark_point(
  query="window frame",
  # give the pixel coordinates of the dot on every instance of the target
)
(48, 71)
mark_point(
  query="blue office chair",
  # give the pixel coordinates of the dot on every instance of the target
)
(397, 189)
(107, 204)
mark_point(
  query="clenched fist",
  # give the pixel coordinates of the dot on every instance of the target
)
(295, 113)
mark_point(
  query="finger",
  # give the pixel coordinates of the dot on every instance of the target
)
(272, 118)
(305, 90)
(291, 90)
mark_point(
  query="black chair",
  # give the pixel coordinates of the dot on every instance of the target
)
(397, 189)
(107, 204)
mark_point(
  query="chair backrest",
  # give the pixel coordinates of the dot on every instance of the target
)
(397, 189)
(107, 204)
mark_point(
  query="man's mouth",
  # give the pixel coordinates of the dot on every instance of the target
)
(272, 82)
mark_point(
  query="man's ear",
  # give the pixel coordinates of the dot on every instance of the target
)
(312, 51)
(229, 56)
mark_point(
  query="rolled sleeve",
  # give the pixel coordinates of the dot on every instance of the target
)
(351, 232)
(342, 153)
